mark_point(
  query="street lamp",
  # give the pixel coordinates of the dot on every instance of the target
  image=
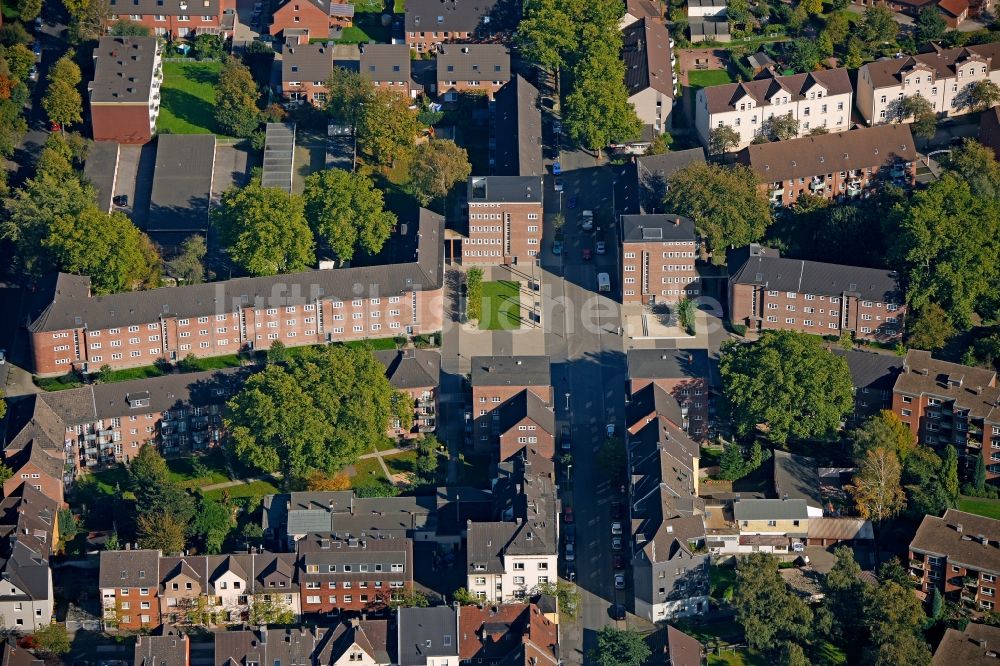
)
(567, 400)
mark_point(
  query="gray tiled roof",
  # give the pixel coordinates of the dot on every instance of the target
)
(941, 536)
(726, 97)
(426, 632)
(170, 649)
(517, 130)
(505, 189)
(871, 370)
(473, 62)
(71, 306)
(669, 364)
(511, 371)
(657, 228)
(974, 389)
(970, 647)
(166, 7)
(652, 401)
(527, 405)
(182, 183)
(306, 62)
(455, 15)
(411, 368)
(386, 62)
(129, 568)
(28, 571)
(797, 477)
(814, 277)
(646, 52)
(101, 170)
(770, 509)
(942, 62)
(123, 70)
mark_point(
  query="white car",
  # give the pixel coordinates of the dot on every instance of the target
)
(611, 429)
(619, 581)
(601, 247)
(616, 527)
(3, 356)
(558, 185)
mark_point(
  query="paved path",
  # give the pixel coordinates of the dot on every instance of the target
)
(238, 482)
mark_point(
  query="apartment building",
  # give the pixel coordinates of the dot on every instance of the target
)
(169, 647)
(974, 646)
(658, 259)
(509, 557)
(35, 467)
(839, 167)
(480, 68)
(125, 92)
(177, 19)
(305, 70)
(649, 72)
(637, 10)
(338, 573)
(516, 130)
(428, 636)
(873, 376)
(357, 642)
(770, 292)
(816, 99)
(388, 66)
(959, 554)
(416, 372)
(948, 403)
(429, 23)
(130, 589)
(311, 19)
(686, 376)
(943, 77)
(73, 330)
(505, 220)
(525, 421)
(507, 634)
(650, 177)
(29, 522)
(497, 380)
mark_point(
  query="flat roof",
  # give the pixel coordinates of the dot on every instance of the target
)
(279, 156)
(101, 170)
(182, 183)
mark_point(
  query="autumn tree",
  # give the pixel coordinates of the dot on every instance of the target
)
(160, 531)
(883, 430)
(844, 598)
(265, 230)
(53, 639)
(62, 100)
(980, 95)
(236, 95)
(876, 489)
(386, 127)
(918, 111)
(931, 328)
(722, 139)
(878, 27)
(347, 213)
(436, 166)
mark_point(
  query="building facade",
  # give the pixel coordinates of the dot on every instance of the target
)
(125, 92)
(685, 375)
(173, 19)
(496, 380)
(649, 72)
(462, 68)
(312, 19)
(505, 220)
(959, 554)
(658, 259)
(388, 66)
(415, 372)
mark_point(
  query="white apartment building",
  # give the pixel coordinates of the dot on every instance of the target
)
(649, 72)
(516, 577)
(942, 77)
(26, 593)
(816, 99)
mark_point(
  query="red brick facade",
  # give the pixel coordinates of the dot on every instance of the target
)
(353, 574)
(124, 123)
(659, 272)
(524, 433)
(305, 15)
(503, 230)
(692, 394)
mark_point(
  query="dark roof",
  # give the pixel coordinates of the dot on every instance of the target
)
(517, 130)
(829, 153)
(942, 62)
(12, 655)
(960, 536)
(182, 183)
(71, 306)
(31, 421)
(306, 62)
(426, 632)
(473, 62)
(646, 52)
(726, 97)
(760, 60)
(166, 7)
(301, 645)
(868, 369)
(279, 154)
(129, 568)
(974, 389)
(169, 649)
(682, 649)
(335, 512)
(770, 509)
(642, 9)
(511, 371)
(649, 402)
(968, 648)
(123, 69)
(456, 505)
(101, 170)
(657, 228)
(28, 571)
(752, 266)
(505, 189)
(49, 463)
(669, 364)
(526, 405)
(29, 515)
(386, 62)
(456, 15)
(797, 477)
(411, 368)
(709, 28)
(653, 173)
(989, 129)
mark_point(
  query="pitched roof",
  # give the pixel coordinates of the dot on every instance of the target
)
(871, 370)
(971, 647)
(411, 368)
(846, 529)
(30, 421)
(526, 405)
(123, 69)
(27, 570)
(770, 509)
(306, 62)
(954, 8)
(682, 649)
(503, 633)
(166, 7)
(517, 130)
(510, 371)
(726, 97)
(182, 183)
(657, 228)
(101, 170)
(458, 15)
(385, 62)
(797, 477)
(169, 649)
(12, 655)
(754, 266)
(941, 536)
(653, 174)
(129, 568)
(943, 63)
(649, 402)
(641, 9)
(71, 306)
(646, 52)
(974, 389)
(709, 27)
(427, 632)
(46, 460)
(29, 515)
(473, 62)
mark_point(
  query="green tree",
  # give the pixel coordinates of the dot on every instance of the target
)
(346, 211)
(977, 165)
(878, 26)
(212, 524)
(930, 329)
(5, 471)
(949, 247)
(464, 597)
(618, 647)
(386, 127)
(348, 92)
(53, 639)
(769, 611)
(787, 383)
(155, 492)
(885, 430)
(208, 46)
(781, 128)
(567, 595)
(949, 474)
(732, 466)
(546, 34)
(980, 95)
(20, 60)
(113, 542)
(265, 230)
(436, 166)
(88, 18)
(319, 411)
(160, 531)
(930, 24)
(919, 112)
(29, 9)
(805, 57)
(277, 352)
(660, 144)
(236, 96)
(427, 460)
(124, 28)
(837, 27)
(69, 526)
(792, 654)
(979, 476)
(844, 598)
(722, 139)
(726, 205)
(876, 489)
(611, 459)
(894, 619)
(62, 101)
(597, 111)
(937, 604)
(188, 266)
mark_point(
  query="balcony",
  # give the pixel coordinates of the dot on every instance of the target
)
(816, 185)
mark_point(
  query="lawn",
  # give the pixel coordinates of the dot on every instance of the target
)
(61, 383)
(188, 93)
(401, 463)
(384, 444)
(198, 471)
(980, 506)
(702, 78)
(252, 489)
(214, 363)
(367, 473)
(501, 306)
(723, 582)
(128, 374)
(376, 344)
(367, 26)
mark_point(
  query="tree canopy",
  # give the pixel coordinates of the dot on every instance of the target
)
(618, 647)
(346, 212)
(386, 127)
(436, 166)
(876, 489)
(236, 96)
(787, 383)
(885, 430)
(62, 101)
(771, 614)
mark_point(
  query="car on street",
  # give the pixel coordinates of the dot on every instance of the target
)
(55, 127)
(601, 247)
(568, 515)
(39, 23)
(557, 248)
(556, 169)
(566, 440)
(619, 561)
(587, 220)
(586, 254)
(611, 429)
(36, 48)
(570, 533)
(571, 572)
(570, 552)
(619, 581)
(616, 543)
(616, 528)
(617, 612)
(558, 185)
(3, 356)
(616, 511)
(33, 74)
(557, 127)
(573, 201)
(120, 200)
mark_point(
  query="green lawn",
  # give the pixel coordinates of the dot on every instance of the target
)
(144, 372)
(501, 306)
(60, 383)
(401, 463)
(723, 581)
(980, 506)
(377, 344)
(384, 444)
(367, 28)
(701, 78)
(367, 472)
(188, 93)
(199, 471)
(252, 489)
(216, 363)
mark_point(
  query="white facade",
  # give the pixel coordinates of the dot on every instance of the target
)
(653, 108)
(522, 575)
(716, 9)
(154, 88)
(22, 613)
(355, 656)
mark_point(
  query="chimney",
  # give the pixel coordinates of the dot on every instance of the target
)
(677, 221)
(958, 528)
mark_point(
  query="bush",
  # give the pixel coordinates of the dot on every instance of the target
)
(739, 329)
(686, 311)
(474, 293)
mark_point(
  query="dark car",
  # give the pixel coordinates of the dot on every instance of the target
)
(616, 511)
(120, 200)
(619, 561)
(568, 515)
(586, 254)
(566, 440)
(617, 612)
(573, 201)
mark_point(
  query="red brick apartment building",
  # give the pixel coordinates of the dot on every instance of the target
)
(75, 330)
(305, 70)
(658, 255)
(839, 166)
(526, 421)
(311, 19)
(352, 574)
(505, 220)
(947, 403)
(130, 589)
(388, 66)
(471, 68)
(497, 380)
(416, 372)
(125, 92)
(958, 554)
(685, 374)
(432, 22)
(769, 292)
(177, 18)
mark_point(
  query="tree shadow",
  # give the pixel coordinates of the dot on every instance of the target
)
(189, 108)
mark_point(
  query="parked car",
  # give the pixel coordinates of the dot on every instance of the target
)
(39, 23)
(616, 511)
(120, 200)
(557, 248)
(566, 440)
(3, 356)
(573, 201)
(601, 247)
(570, 572)
(616, 528)
(33, 74)
(616, 543)
(570, 553)
(568, 515)
(611, 429)
(570, 531)
(557, 127)
(619, 581)
(618, 561)
(36, 48)
(587, 220)
(556, 168)
(617, 612)
(55, 127)
(558, 185)
(586, 254)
